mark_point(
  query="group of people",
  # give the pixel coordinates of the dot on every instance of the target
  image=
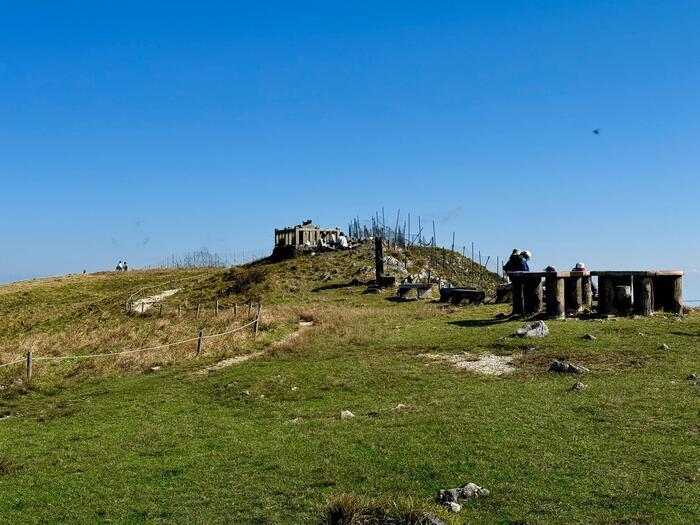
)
(518, 261)
(332, 241)
(122, 266)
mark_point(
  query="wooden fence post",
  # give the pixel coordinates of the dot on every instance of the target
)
(160, 311)
(257, 319)
(197, 317)
(250, 305)
(216, 308)
(29, 366)
(142, 303)
(199, 342)
(235, 310)
(179, 310)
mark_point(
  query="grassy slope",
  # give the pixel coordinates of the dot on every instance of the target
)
(173, 447)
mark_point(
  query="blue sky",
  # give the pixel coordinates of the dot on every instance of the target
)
(138, 130)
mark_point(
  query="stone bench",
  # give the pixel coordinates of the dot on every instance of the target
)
(621, 292)
(423, 290)
(457, 295)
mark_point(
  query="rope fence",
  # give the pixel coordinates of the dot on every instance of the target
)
(30, 359)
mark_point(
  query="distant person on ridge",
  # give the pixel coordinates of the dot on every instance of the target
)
(525, 258)
(120, 267)
(124, 266)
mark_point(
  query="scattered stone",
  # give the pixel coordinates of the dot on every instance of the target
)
(664, 346)
(400, 406)
(245, 393)
(262, 396)
(230, 385)
(152, 369)
(446, 497)
(567, 368)
(536, 329)
(578, 386)
(18, 383)
(294, 421)
(453, 506)
(589, 337)
(529, 349)
(295, 388)
(392, 263)
(488, 364)
(432, 519)
(372, 289)
(346, 414)
(641, 334)
(691, 377)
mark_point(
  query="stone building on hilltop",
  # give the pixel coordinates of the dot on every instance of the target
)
(304, 234)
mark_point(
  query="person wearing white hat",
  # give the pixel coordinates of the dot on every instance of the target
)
(514, 263)
(580, 267)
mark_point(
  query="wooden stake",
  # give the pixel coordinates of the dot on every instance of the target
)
(197, 317)
(29, 366)
(257, 319)
(216, 308)
(235, 310)
(250, 305)
(199, 342)
(160, 311)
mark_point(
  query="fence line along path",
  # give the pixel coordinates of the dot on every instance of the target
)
(30, 359)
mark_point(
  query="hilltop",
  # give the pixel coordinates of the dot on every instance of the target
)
(167, 436)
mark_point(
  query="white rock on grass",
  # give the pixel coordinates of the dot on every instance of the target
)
(454, 507)
(346, 414)
(578, 386)
(664, 346)
(536, 329)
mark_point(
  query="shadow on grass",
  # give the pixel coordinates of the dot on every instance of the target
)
(351, 284)
(479, 323)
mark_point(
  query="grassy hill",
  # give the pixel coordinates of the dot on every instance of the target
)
(262, 441)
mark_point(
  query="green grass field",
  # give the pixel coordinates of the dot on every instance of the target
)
(104, 443)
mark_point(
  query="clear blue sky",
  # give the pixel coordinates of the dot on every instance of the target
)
(143, 129)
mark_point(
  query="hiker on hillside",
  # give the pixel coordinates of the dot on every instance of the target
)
(120, 266)
(124, 266)
(343, 241)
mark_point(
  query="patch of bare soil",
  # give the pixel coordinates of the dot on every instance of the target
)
(487, 364)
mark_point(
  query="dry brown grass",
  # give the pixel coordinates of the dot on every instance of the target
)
(7, 467)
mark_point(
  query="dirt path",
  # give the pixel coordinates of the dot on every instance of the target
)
(232, 361)
(143, 305)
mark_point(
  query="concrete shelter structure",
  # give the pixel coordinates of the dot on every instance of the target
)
(304, 234)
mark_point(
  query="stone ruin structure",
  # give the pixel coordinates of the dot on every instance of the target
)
(293, 239)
